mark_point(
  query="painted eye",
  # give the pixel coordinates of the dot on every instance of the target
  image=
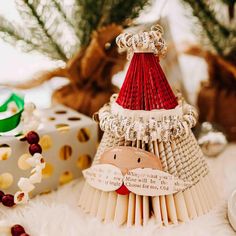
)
(139, 160)
(114, 157)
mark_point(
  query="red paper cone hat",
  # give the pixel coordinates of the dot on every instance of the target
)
(145, 86)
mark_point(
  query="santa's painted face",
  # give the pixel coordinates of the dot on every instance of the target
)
(128, 158)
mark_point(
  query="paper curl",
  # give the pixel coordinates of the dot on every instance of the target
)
(151, 41)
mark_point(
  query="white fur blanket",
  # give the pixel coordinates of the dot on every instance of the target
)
(58, 214)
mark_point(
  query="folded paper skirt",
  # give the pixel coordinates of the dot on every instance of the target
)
(182, 158)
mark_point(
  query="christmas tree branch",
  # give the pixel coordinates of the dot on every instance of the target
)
(29, 5)
(11, 31)
(123, 9)
(58, 5)
(90, 12)
(59, 30)
(211, 26)
(14, 35)
(220, 37)
(95, 14)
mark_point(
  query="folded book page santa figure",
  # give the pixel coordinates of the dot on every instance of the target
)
(148, 163)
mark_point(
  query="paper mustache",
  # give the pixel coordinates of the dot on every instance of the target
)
(141, 181)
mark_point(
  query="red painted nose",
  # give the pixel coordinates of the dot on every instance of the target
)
(123, 190)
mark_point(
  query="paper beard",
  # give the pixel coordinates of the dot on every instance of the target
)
(141, 181)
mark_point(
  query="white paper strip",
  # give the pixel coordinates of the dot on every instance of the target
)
(105, 177)
(152, 182)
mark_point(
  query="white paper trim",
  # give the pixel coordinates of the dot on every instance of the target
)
(116, 109)
(141, 181)
(152, 182)
(105, 177)
(133, 126)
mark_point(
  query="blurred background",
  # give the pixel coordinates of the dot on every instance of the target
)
(64, 51)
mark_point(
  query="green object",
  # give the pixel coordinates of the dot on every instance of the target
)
(11, 122)
(78, 19)
(217, 33)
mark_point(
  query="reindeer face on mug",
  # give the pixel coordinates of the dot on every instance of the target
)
(129, 169)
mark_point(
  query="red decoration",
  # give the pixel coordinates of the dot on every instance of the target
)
(145, 86)
(17, 230)
(1, 195)
(35, 148)
(123, 190)
(32, 137)
(8, 200)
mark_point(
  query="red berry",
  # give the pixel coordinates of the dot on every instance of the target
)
(123, 190)
(35, 148)
(32, 137)
(1, 195)
(17, 230)
(24, 234)
(8, 200)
